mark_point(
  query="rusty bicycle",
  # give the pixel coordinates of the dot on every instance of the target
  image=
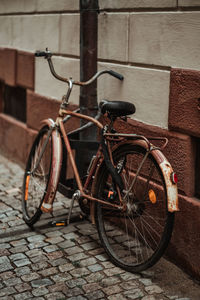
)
(130, 188)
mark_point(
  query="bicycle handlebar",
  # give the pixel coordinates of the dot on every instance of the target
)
(116, 75)
(39, 53)
(47, 55)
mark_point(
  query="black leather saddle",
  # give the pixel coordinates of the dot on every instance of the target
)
(117, 108)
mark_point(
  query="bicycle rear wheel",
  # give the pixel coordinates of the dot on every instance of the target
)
(136, 238)
(36, 177)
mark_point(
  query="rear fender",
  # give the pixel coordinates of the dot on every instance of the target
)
(167, 171)
(166, 168)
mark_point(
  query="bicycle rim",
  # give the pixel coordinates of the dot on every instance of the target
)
(136, 238)
(36, 177)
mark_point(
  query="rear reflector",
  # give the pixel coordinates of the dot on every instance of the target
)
(174, 178)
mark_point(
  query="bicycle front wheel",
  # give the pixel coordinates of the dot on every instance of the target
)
(36, 177)
(136, 237)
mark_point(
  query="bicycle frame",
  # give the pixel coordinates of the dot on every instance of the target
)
(119, 138)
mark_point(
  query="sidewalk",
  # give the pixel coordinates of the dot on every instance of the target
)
(68, 262)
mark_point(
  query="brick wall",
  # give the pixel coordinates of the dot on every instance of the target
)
(153, 43)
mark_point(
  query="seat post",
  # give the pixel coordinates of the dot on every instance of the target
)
(112, 120)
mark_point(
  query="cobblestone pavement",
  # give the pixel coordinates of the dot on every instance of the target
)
(68, 262)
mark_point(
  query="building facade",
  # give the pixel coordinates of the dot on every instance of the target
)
(155, 44)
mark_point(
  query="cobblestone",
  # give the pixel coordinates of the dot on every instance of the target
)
(41, 282)
(30, 277)
(40, 291)
(115, 289)
(12, 281)
(5, 267)
(61, 263)
(19, 249)
(50, 248)
(66, 267)
(23, 287)
(134, 294)
(18, 242)
(95, 268)
(153, 289)
(22, 262)
(110, 281)
(23, 296)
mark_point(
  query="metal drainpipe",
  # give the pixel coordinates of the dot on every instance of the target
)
(88, 67)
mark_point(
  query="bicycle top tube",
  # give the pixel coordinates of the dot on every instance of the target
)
(47, 55)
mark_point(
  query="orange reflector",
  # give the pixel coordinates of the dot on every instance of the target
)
(110, 193)
(61, 224)
(26, 188)
(152, 196)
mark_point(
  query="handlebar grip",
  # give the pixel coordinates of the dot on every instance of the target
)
(40, 53)
(115, 74)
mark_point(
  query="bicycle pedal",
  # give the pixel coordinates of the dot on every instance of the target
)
(58, 223)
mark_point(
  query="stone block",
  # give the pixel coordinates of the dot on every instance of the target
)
(191, 3)
(166, 39)
(40, 108)
(25, 69)
(47, 85)
(10, 66)
(184, 104)
(16, 6)
(70, 34)
(15, 138)
(179, 151)
(2, 64)
(147, 88)
(1, 96)
(130, 4)
(113, 36)
(36, 32)
(184, 246)
(59, 5)
(6, 30)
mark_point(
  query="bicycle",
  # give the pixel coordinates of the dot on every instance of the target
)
(130, 190)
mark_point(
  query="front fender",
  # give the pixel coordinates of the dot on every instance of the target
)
(47, 204)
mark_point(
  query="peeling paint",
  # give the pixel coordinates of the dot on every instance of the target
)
(172, 191)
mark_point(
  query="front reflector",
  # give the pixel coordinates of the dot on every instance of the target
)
(26, 188)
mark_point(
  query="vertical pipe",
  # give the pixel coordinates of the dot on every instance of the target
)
(88, 67)
(88, 54)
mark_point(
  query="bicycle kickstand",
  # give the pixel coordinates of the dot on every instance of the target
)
(75, 196)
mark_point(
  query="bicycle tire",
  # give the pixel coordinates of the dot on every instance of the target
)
(35, 184)
(136, 238)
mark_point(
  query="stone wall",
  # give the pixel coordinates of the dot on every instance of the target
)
(154, 43)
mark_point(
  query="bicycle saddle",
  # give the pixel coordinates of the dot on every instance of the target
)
(117, 108)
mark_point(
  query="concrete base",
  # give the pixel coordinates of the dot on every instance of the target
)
(15, 139)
